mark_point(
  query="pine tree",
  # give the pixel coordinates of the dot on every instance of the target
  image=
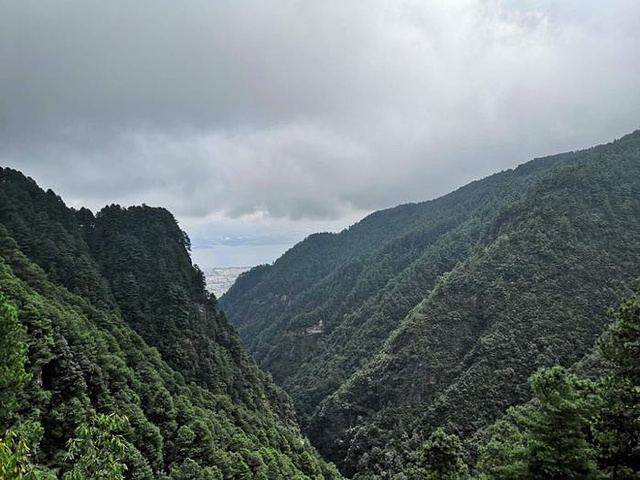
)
(617, 430)
(442, 457)
(503, 457)
(556, 432)
(13, 356)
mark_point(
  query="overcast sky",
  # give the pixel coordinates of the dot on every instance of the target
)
(258, 122)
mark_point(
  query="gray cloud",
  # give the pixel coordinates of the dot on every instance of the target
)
(304, 110)
(280, 238)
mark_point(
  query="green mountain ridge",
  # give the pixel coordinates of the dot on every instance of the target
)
(116, 363)
(435, 314)
(117, 321)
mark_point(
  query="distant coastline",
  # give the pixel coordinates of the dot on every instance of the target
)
(220, 279)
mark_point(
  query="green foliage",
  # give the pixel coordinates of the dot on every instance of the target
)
(14, 460)
(46, 231)
(617, 429)
(143, 254)
(576, 428)
(13, 356)
(556, 432)
(425, 315)
(441, 458)
(504, 456)
(436, 314)
(98, 451)
(190, 470)
(193, 398)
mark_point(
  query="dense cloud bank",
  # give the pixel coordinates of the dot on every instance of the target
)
(304, 110)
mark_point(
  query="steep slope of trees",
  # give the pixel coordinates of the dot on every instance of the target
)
(360, 284)
(144, 255)
(47, 233)
(74, 373)
(576, 428)
(573, 427)
(446, 318)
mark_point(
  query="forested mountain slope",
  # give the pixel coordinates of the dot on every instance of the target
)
(359, 284)
(435, 314)
(72, 287)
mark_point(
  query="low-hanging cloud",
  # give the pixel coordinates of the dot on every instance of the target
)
(304, 110)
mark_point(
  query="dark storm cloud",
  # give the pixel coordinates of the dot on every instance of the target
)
(304, 110)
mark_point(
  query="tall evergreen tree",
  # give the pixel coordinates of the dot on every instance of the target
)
(556, 438)
(13, 356)
(441, 458)
(503, 457)
(618, 427)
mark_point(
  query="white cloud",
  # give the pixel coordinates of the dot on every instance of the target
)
(304, 110)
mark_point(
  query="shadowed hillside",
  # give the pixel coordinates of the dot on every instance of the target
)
(435, 314)
(84, 300)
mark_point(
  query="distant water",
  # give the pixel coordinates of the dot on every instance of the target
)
(219, 280)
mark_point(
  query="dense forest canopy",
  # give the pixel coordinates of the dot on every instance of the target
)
(114, 358)
(490, 334)
(435, 314)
